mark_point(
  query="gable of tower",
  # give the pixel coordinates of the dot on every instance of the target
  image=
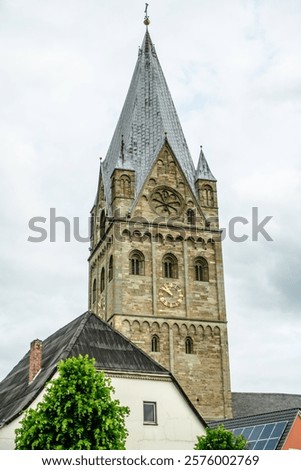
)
(166, 195)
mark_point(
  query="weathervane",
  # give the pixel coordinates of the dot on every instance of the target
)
(146, 18)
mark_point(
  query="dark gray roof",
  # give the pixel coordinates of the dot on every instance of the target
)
(246, 404)
(147, 117)
(203, 171)
(263, 418)
(87, 334)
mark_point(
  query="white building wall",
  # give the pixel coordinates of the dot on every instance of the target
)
(177, 426)
(7, 433)
(7, 436)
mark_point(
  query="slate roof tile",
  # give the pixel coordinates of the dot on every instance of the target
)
(246, 404)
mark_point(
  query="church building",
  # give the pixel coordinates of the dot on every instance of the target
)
(155, 264)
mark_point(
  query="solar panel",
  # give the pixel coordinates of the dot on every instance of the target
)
(262, 436)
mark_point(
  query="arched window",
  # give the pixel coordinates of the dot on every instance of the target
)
(201, 269)
(207, 196)
(191, 216)
(188, 345)
(94, 291)
(102, 280)
(111, 268)
(170, 266)
(137, 263)
(125, 184)
(155, 344)
(92, 226)
(102, 223)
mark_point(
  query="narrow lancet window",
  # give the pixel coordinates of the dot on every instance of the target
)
(201, 270)
(155, 344)
(111, 268)
(137, 263)
(102, 280)
(188, 345)
(170, 266)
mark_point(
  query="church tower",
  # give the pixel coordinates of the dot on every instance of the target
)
(155, 265)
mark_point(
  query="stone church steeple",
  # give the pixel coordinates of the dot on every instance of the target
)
(155, 265)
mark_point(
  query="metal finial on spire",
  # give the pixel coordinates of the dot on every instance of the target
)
(146, 18)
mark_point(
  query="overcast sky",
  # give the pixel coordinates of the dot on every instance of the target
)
(234, 70)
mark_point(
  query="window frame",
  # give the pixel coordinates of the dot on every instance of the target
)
(191, 219)
(208, 196)
(170, 265)
(153, 422)
(201, 269)
(188, 345)
(102, 223)
(155, 344)
(137, 263)
(110, 277)
(125, 185)
(102, 279)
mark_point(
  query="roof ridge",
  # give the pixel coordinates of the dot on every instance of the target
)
(268, 393)
(257, 415)
(76, 335)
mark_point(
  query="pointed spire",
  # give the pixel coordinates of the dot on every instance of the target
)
(147, 45)
(147, 114)
(203, 171)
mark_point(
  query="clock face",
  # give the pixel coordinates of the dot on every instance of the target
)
(171, 295)
(166, 201)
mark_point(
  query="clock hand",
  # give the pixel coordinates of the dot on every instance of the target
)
(168, 291)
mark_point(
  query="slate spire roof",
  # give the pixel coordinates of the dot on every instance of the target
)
(203, 171)
(147, 118)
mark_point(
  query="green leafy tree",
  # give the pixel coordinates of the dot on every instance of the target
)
(220, 438)
(77, 412)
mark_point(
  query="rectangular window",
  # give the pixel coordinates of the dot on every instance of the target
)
(149, 412)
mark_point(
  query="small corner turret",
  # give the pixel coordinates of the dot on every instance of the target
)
(206, 190)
